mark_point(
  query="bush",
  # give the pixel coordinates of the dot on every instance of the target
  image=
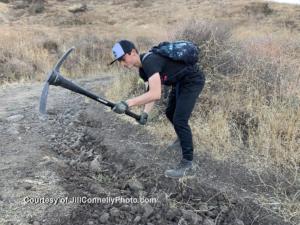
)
(211, 37)
(257, 8)
(13, 68)
(37, 6)
(50, 45)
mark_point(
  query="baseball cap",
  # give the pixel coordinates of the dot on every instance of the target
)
(121, 48)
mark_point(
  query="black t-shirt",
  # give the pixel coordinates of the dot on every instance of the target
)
(154, 63)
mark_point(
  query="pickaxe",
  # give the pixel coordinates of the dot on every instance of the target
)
(55, 78)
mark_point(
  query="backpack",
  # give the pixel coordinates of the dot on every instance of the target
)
(183, 51)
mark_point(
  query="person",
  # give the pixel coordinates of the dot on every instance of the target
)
(157, 70)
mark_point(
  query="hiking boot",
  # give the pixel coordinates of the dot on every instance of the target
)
(175, 146)
(180, 170)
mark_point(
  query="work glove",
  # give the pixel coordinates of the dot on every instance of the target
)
(120, 107)
(143, 119)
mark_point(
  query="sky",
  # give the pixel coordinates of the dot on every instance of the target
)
(287, 1)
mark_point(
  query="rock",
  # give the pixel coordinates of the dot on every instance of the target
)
(125, 208)
(172, 213)
(96, 214)
(13, 130)
(213, 212)
(60, 163)
(68, 153)
(73, 162)
(135, 185)
(135, 209)
(104, 218)
(27, 186)
(203, 207)
(114, 212)
(97, 189)
(137, 219)
(208, 221)
(95, 165)
(238, 222)
(30, 220)
(83, 166)
(9, 223)
(82, 149)
(191, 216)
(182, 221)
(90, 222)
(52, 136)
(224, 208)
(161, 197)
(15, 118)
(76, 144)
(36, 223)
(78, 8)
(85, 156)
(148, 210)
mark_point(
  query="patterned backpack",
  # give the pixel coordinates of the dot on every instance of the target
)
(183, 51)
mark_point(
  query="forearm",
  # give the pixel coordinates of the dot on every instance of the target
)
(148, 107)
(152, 95)
(143, 99)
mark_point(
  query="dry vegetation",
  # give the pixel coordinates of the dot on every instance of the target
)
(250, 108)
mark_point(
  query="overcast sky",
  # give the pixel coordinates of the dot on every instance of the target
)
(287, 1)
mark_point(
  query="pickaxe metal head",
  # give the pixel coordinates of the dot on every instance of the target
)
(52, 80)
(54, 74)
(55, 78)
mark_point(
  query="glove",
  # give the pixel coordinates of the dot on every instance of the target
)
(120, 107)
(143, 119)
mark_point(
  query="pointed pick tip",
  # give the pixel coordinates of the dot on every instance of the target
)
(43, 116)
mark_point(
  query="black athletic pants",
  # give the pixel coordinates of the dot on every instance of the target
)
(182, 99)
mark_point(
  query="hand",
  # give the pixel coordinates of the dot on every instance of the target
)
(143, 119)
(120, 107)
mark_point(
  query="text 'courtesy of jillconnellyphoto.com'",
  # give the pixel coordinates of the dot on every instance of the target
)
(89, 200)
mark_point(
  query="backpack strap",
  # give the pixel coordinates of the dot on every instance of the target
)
(146, 55)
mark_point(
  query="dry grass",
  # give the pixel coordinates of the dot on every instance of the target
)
(30, 53)
(249, 108)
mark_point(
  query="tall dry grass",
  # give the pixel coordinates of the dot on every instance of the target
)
(30, 53)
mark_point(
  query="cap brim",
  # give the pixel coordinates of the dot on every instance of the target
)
(115, 60)
(109, 64)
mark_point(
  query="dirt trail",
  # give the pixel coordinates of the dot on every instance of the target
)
(86, 152)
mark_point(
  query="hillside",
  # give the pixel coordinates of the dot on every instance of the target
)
(246, 123)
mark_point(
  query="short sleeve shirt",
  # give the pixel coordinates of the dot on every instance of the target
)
(154, 63)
